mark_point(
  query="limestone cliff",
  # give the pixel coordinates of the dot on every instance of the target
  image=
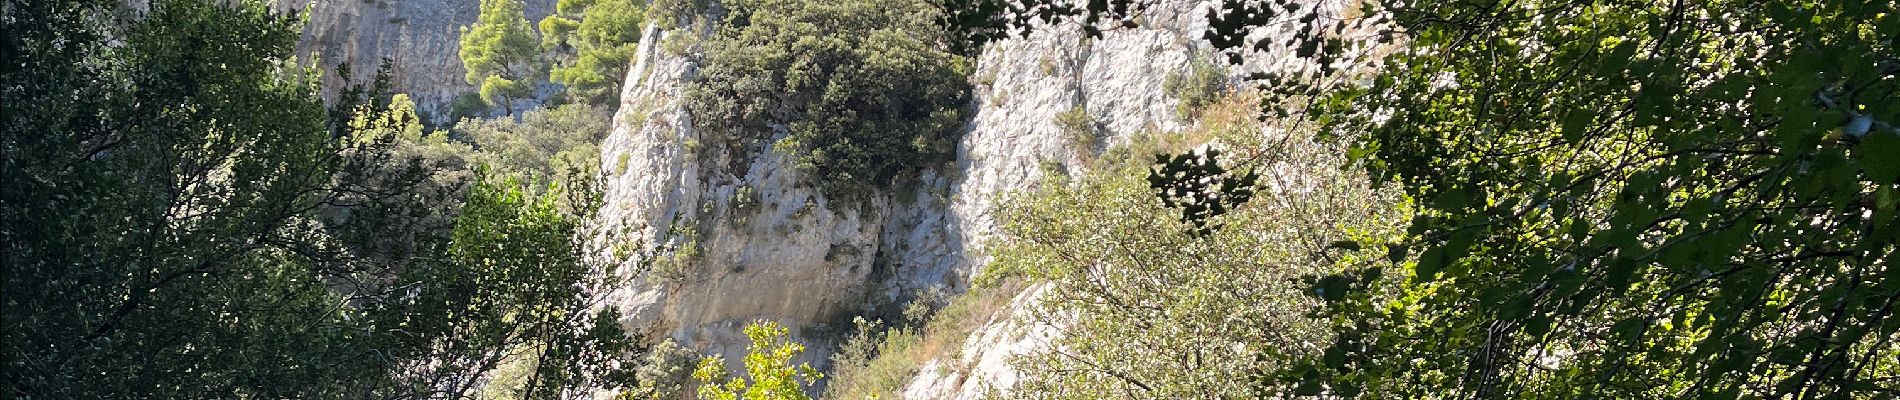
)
(419, 37)
(727, 245)
(735, 245)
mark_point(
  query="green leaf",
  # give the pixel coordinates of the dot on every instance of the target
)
(1429, 264)
(1576, 124)
(1309, 383)
(1332, 287)
(1621, 272)
(1452, 199)
(1334, 357)
(1618, 58)
(1879, 156)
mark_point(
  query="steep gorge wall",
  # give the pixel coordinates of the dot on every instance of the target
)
(769, 246)
(419, 37)
(766, 245)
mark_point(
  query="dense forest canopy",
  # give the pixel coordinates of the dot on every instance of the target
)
(184, 218)
(1487, 199)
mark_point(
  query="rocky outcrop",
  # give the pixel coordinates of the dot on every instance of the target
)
(725, 243)
(726, 246)
(420, 38)
(731, 242)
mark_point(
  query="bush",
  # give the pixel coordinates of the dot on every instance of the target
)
(860, 85)
(546, 143)
(664, 372)
(679, 42)
(878, 359)
(1080, 128)
(1197, 86)
(1185, 313)
(769, 371)
(467, 104)
(669, 14)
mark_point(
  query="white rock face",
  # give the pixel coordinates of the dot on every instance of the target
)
(983, 367)
(421, 38)
(792, 258)
(1022, 84)
(787, 255)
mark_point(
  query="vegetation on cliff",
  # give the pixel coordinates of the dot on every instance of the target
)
(1527, 199)
(1605, 199)
(860, 86)
(592, 43)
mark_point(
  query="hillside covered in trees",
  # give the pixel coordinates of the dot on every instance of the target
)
(957, 199)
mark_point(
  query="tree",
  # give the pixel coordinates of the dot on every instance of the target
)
(1617, 202)
(858, 85)
(155, 168)
(511, 287)
(499, 53)
(594, 41)
(768, 366)
(402, 187)
(183, 219)
(1157, 304)
(1689, 199)
(546, 144)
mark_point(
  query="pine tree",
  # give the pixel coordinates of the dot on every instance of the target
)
(499, 51)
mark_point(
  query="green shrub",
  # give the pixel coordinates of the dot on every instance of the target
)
(878, 359)
(592, 42)
(860, 84)
(1080, 128)
(769, 370)
(546, 143)
(664, 372)
(1196, 87)
(669, 14)
(745, 198)
(467, 104)
(987, 78)
(1183, 313)
(679, 42)
(677, 251)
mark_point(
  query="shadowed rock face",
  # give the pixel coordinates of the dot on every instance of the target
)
(419, 37)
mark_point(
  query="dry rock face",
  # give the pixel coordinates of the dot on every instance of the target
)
(981, 367)
(763, 243)
(420, 38)
(734, 245)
